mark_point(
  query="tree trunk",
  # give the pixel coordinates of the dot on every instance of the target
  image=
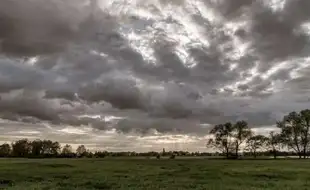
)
(254, 154)
(275, 154)
(237, 148)
(227, 153)
(306, 139)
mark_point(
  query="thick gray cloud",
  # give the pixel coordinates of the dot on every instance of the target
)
(172, 67)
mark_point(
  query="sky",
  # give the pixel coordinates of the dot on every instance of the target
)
(144, 75)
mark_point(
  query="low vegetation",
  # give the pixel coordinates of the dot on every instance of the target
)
(135, 174)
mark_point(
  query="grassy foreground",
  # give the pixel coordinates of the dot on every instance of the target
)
(144, 174)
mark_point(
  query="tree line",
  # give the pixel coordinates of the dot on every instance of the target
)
(294, 136)
(25, 148)
(228, 139)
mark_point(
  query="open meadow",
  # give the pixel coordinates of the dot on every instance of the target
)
(144, 174)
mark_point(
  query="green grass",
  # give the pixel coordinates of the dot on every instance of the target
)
(146, 174)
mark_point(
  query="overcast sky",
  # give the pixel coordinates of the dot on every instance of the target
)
(149, 74)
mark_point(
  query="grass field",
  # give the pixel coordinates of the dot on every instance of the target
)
(145, 174)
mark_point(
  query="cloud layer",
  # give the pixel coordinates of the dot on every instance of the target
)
(164, 66)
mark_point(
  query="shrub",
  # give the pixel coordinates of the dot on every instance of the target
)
(172, 156)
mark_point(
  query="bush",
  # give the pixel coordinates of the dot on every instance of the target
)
(172, 156)
(158, 156)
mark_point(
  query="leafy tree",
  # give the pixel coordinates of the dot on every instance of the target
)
(55, 148)
(274, 143)
(81, 151)
(21, 148)
(295, 131)
(222, 138)
(67, 150)
(100, 154)
(5, 150)
(255, 143)
(305, 123)
(241, 132)
(36, 147)
(44, 148)
(47, 147)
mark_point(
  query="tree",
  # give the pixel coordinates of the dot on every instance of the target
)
(241, 132)
(274, 143)
(295, 131)
(255, 143)
(55, 149)
(21, 148)
(81, 151)
(47, 147)
(36, 147)
(5, 150)
(67, 150)
(222, 138)
(158, 156)
(305, 122)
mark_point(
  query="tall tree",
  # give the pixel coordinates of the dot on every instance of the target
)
(241, 132)
(21, 148)
(5, 150)
(305, 122)
(55, 149)
(81, 151)
(222, 138)
(255, 143)
(36, 147)
(67, 150)
(295, 129)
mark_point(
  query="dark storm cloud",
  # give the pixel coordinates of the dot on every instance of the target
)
(243, 87)
(87, 64)
(162, 126)
(14, 76)
(33, 27)
(30, 28)
(231, 8)
(276, 38)
(122, 94)
(24, 104)
(209, 64)
(300, 84)
(61, 94)
(297, 11)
